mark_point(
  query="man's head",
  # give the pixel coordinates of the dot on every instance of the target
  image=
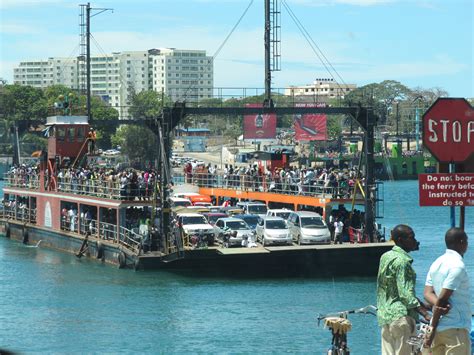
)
(456, 239)
(404, 237)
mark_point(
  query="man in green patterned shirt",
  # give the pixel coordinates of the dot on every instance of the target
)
(397, 305)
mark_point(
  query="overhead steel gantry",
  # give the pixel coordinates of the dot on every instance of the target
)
(365, 117)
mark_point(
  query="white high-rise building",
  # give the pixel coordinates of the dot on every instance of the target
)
(180, 74)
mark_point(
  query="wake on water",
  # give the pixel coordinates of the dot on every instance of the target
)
(34, 246)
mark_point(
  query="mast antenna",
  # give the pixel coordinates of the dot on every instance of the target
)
(85, 30)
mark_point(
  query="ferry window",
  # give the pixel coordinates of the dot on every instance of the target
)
(80, 134)
(70, 134)
(61, 133)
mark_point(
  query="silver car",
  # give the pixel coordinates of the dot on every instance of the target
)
(308, 228)
(273, 230)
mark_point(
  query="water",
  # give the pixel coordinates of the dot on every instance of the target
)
(55, 303)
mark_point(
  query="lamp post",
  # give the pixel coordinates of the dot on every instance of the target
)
(417, 121)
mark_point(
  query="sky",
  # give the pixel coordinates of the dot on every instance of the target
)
(420, 43)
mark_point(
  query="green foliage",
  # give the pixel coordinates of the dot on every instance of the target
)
(102, 114)
(31, 142)
(22, 103)
(334, 127)
(147, 104)
(137, 142)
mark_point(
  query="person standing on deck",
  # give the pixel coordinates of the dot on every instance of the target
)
(338, 228)
(92, 137)
(397, 304)
(447, 289)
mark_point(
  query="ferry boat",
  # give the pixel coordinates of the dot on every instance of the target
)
(90, 217)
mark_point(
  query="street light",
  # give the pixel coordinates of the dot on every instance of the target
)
(417, 120)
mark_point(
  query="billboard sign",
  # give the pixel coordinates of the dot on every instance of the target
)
(310, 127)
(456, 189)
(259, 126)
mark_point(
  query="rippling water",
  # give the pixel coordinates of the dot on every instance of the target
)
(54, 303)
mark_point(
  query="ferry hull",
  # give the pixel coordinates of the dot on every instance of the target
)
(63, 242)
(294, 261)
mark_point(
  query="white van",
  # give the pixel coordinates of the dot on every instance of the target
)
(308, 228)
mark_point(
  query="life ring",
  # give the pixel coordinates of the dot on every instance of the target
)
(25, 235)
(100, 251)
(122, 260)
(7, 230)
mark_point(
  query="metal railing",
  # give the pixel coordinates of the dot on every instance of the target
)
(25, 181)
(91, 187)
(291, 186)
(131, 240)
(22, 214)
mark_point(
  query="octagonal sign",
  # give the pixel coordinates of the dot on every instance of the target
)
(448, 130)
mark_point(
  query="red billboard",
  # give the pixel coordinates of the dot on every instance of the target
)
(446, 189)
(260, 126)
(310, 127)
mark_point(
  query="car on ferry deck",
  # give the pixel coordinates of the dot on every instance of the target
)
(250, 219)
(252, 207)
(196, 224)
(179, 202)
(308, 228)
(212, 217)
(280, 212)
(273, 230)
(194, 197)
(233, 224)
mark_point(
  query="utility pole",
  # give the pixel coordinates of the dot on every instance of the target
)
(397, 117)
(87, 34)
(268, 74)
(88, 59)
(272, 46)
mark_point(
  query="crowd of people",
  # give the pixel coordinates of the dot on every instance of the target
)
(339, 183)
(127, 184)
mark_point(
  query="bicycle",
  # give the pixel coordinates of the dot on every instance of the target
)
(339, 325)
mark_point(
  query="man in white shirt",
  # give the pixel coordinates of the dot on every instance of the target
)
(447, 289)
(338, 228)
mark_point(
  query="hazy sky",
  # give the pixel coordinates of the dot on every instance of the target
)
(425, 43)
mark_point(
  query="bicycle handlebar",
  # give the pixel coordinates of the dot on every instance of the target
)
(369, 309)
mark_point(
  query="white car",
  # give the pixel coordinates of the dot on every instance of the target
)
(233, 225)
(196, 224)
(111, 152)
(179, 201)
(308, 228)
(282, 212)
(273, 230)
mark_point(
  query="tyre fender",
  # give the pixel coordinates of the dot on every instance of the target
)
(25, 235)
(136, 264)
(122, 260)
(100, 250)
(7, 230)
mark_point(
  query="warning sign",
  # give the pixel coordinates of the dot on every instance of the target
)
(446, 189)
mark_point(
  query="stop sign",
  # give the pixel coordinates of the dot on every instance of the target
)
(448, 130)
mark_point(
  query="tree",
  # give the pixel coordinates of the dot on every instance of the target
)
(102, 115)
(138, 142)
(378, 96)
(147, 104)
(24, 103)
